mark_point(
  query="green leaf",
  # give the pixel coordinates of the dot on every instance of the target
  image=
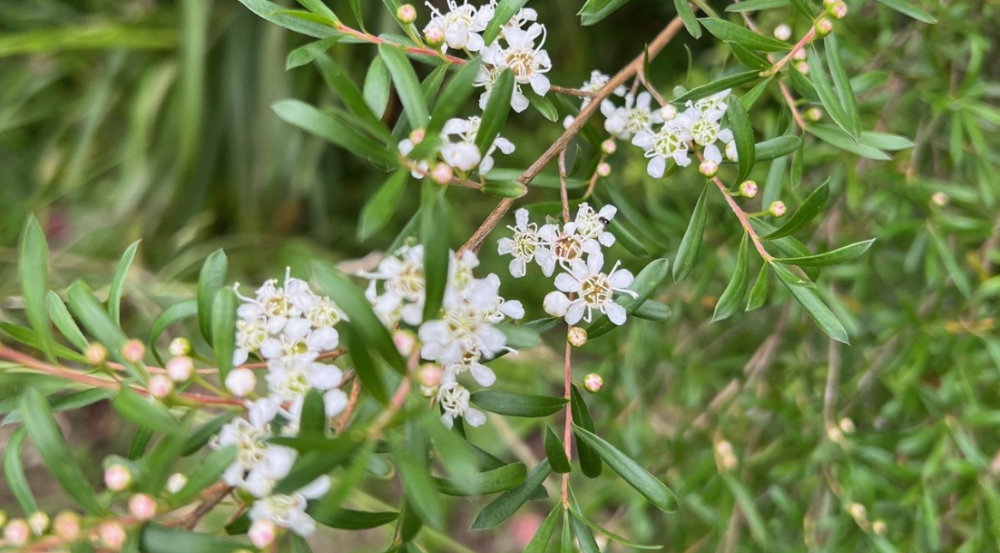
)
(203, 433)
(434, 227)
(804, 9)
(137, 447)
(338, 80)
(883, 141)
(91, 313)
(845, 254)
(46, 436)
(343, 292)
(687, 252)
(210, 281)
(328, 506)
(208, 471)
(492, 481)
(504, 506)
(309, 52)
(596, 10)
(223, 333)
(574, 510)
(644, 285)
(34, 268)
(539, 543)
(652, 310)
(732, 297)
(555, 452)
(746, 57)
(686, 14)
(719, 85)
(808, 211)
(376, 88)
(759, 291)
(379, 209)
(748, 507)
(812, 305)
(750, 98)
(584, 537)
(407, 85)
(566, 543)
(958, 276)
(319, 8)
(777, 147)
(28, 337)
(364, 365)
(454, 95)
(590, 461)
(520, 336)
(418, 483)
(505, 189)
(840, 139)
(64, 321)
(497, 108)
(313, 420)
(313, 464)
(544, 106)
(729, 32)
(756, 5)
(348, 519)
(144, 412)
(321, 124)
(907, 8)
(746, 151)
(158, 465)
(288, 19)
(504, 10)
(842, 83)
(177, 312)
(13, 470)
(66, 402)
(159, 539)
(630, 471)
(518, 405)
(118, 283)
(831, 102)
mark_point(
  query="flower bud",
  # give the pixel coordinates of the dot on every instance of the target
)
(142, 506)
(117, 477)
(940, 199)
(133, 351)
(858, 511)
(16, 532)
(777, 209)
(406, 14)
(66, 525)
(668, 112)
(823, 26)
(417, 136)
(180, 346)
(160, 386)
(609, 146)
(430, 375)
(262, 533)
(837, 10)
(38, 522)
(434, 36)
(603, 169)
(799, 54)
(847, 425)
(708, 168)
(112, 535)
(576, 336)
(96, 354)
(240, 382)
(730, 462)
(783, 32)
(834, 434)
(441, 173)
(724, 448)
(593, 383)
(176, 482)
(180, 368)
(814, 114)
(404, 340)
(748, 189)
(879, 527)
(802, 67)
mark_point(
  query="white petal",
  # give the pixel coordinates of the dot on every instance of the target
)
(317, 488)
(512, 309)
(713, 154)
(657, 165)
(324, 339)
(575, 312)
(483, 375)
(334, 402)
(504, 145)
(486, 165)
(556, 304)
(505, 246)
(567, 283)
(621, 279)
(297, 327)
(615, 312)
(606, 239)
(324, 377)
(518, 101)
(539, 83)
(546, 260)
(608, 212)
(475, 417)
(518, 267)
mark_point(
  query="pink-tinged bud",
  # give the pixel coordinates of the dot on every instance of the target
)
(241, 382)
(783, 32)
(406, 14)
(858, 511)
(609, 146)
(430, 375)
(814, 114)
(879, 527)
(824, 26)
(434, 36)
(38, 522)
(802, 67)
(708, 168)
(724, 448)
(593, 383)
(117, 478)
(404, 341)
(180, 346)
(577, 337)
(417, 136)
(441, 173)
(603, 169)
(112, 535)
(837, 10)
(777, 209)
(160, 386)
(133, 351)
(668, 112)
(799, 54)
(67, 526)
(262, 533)
(847, 425)
(748, 189)
(16, 532)
(176, 482)
(180, 369)
(96, 354)
(142, 506)
(730, 462)
(940, 199)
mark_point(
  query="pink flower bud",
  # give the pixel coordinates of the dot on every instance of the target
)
(824, 26)
(38, 522)
(777, 209)
(160, 386)
(96, 354)
(142, 506)
(133, 351)
(176, 482)
(417, 136)
(748, 189)
(593, 383)
(609, 146)
(668, 112)
(404, 341)
(241, 382)
(430, 375)
(67, 526)
(837, 10)
(180, 346)
(441, 173)
(799, 54)
(180, 369)
(802, 67)
(262, 533)
(117, 478)
(576, 337)
(783, 32)
(603, 169)
(814, 114)
(406, 14)
(112, 535)
(940, 199)
(434, 36)
(708, 168)
(16, 532)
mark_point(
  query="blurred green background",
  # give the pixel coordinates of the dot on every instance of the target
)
(147, 119)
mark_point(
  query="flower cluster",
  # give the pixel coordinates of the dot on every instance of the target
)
(459, 150)
(576, 248)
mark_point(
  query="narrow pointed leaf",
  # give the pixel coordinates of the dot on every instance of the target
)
(630, 471)
(540, 542)
(493, 481)
(34, 268)
(835, 136)
(644, 285)
(808, 211)
(776, 147)
(724, 30)
(174, 313)
(118, 283)
(845, 254)
(687, 253)
(504, 506)
(758, 294)
(325, 126)
(495, 113)
(518, 405)
(144, 412)
(160, 539)
(732, 297)
(829, 98)
(686, 14)
(420, 490)
(223, 333)
(746, 149)
(380, 208)
(212, 278)
(434, 235)
(64, 321)
(555, 452)
(719, 85)
(13, 470)
(590, 461)
(208, 472)
(454, 95)
(842, 84)
(376, 87)
(907, 8)
(596, 10)
(504, 10)
(814, 307)
(407, 85)
(338, 80)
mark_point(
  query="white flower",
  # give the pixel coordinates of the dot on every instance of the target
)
(565, 245)
(289, 511)
(250, 439)
(633, 117)
(592, 225)
(454, 401)
(594, 291)
(422, 167)
(240, 382)
(289, 379)
(527, 62)
(524, 246)
(596, 83)
(487, 78)
(462, 25)
(464, 154)
(670, 142)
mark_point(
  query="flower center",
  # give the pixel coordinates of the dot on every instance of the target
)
(638, 119)
(704, 132)
(667, 142)
(595, 290)
(521, 63)
(568, 247)
(249, 335)
(324, 314)
(524, 245)
(276, 305)
(281, 507)
(410, 282)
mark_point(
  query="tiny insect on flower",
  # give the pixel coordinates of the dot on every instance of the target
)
(133, 351)
(593, 383)
(160, 386)
(96, 354)
(603, 169)
(66, 526)
(112, 535)
(262, 533)
(142, 506)
(117, 477)
(783, 32)
(180, 368)
(577, 337)
(176, 482)
(823, 26)
(748, 189)
(406, 14)
(777, 209)
(38, 522)
(16, 532)
(180, 346)
(240, 382)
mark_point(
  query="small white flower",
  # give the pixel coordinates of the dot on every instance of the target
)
(421, 167)
(464, 154)
(240, 382)
(565, 245)
(454, 401)
(596, 83)
(289, 511)
(487, 78)
(524, 246)
(670, 142)
(633, 117)
(594, 291)
(528, 63)
(462, 25)
(592, 225)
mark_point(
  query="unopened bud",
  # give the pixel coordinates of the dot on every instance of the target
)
(417, 136)
(835, 434)
(748, 189)
(66, 525)
(262, 533)
(38, 522)
(802, 67)
(133, 351)
(799, 54)
(117, 478)
(668, 112)
(142, 506)
(837, 10)
(593, 383)
(940, 199)
(160, 386)
(824, 26)
(180, 346)
(783, 32)
(576, 336)
(724, 448)
(603, 169)
(814, 114)
(609, 146)
(241, 381)
(879, 527)
(430, 375)
(708, 168)
(112, 535)
(847, 425)
(406, 14)
(441, 173)
(730, 462)
(433, 36)
(858, 511)
(180, 369)
(96, 354)
(16, 532)
(777, 209)
(176, 482)
(404, 340)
